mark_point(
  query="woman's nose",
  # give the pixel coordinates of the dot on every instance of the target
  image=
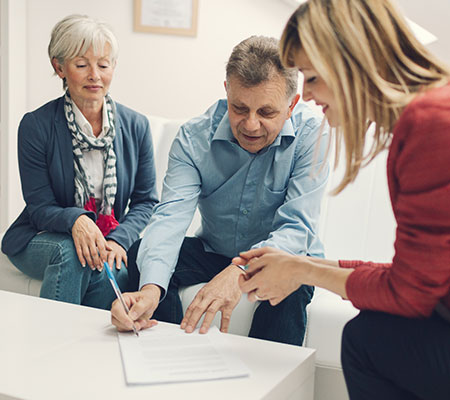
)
(94, 74)
(307, 96)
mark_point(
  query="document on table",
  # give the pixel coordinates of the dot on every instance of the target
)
(165, 353)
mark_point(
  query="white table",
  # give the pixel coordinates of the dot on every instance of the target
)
(57, 351)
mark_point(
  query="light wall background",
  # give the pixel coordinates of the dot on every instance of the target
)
(163, 75)
(179, 77)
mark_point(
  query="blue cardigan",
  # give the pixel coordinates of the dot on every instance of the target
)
(47, 177)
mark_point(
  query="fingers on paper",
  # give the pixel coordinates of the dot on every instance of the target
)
(210, 313)
(192, 315)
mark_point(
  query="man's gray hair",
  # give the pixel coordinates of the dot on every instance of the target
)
(75, 34)
(256, 59)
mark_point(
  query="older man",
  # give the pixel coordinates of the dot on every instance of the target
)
(252, 166)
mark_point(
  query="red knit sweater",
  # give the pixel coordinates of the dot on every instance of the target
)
(418, 171)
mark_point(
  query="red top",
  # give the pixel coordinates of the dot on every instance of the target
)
(418, 171)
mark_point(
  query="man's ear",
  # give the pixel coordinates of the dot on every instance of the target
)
(58, 68)
(225, 85)
(293, 104)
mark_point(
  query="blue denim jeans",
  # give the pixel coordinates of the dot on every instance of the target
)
(51, 257)
(284, 323)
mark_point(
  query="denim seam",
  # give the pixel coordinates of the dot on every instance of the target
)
(59, 248)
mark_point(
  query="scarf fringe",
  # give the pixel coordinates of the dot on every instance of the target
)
(106, 223)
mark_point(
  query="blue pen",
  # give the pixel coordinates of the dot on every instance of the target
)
(243, 267)
(118, 292)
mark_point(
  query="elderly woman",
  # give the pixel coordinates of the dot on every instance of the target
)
(362, 64)
(87, 172)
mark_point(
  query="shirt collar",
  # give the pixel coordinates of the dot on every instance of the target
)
(224, 132)
(84, 124)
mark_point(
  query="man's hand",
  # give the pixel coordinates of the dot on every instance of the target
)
(142, 305)
(117, 254)
(222, 293)
(89, 243)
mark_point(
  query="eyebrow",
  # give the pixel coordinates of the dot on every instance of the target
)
(242, 105)
(85, 58)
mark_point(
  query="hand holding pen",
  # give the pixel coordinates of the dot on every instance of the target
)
(141, 305)
(118, 293)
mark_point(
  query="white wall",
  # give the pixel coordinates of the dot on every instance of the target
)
(13, 104)
(358, 223)
(171, 76)
(179, 77)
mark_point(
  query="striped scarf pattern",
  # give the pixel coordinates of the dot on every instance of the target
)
(84, 189)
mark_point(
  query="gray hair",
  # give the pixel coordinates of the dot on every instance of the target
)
(256, 59)
(75, 34)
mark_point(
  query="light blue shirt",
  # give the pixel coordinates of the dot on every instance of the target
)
(246, 200)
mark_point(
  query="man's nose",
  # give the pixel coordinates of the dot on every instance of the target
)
(251, 123)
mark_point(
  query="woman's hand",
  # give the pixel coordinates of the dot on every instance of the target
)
(117, 254)
(272, 274)
(89, 243)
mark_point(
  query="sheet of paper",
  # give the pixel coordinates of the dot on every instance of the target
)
(165, 353)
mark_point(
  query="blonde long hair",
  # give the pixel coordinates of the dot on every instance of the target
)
(370, 60)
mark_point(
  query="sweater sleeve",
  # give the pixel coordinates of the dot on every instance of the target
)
(358, 263)
(419, 179)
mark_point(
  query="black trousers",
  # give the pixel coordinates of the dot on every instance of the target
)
(285, 322)
(387, 357)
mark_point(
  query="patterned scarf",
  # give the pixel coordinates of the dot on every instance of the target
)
(84, 189)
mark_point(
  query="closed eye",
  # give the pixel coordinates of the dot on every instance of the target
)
(267, 113)
(239, 110)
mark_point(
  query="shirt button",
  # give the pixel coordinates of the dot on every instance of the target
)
(245, 212)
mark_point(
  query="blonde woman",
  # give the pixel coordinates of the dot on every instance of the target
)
(362, 64)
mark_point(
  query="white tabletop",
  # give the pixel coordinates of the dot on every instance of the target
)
(51, 350)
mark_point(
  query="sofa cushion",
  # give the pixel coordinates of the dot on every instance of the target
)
(12, 280)
(327, 315)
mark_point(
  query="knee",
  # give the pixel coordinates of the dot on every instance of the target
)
(299, 299)
(65, 251)
(349, 331)
(292, 307)
(355, 336)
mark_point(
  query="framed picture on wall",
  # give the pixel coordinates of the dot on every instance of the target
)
(172, 17)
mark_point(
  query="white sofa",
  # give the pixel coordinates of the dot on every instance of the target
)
(327, 314)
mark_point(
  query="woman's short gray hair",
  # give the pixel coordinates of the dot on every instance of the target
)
(254, 61)
(75, 34)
